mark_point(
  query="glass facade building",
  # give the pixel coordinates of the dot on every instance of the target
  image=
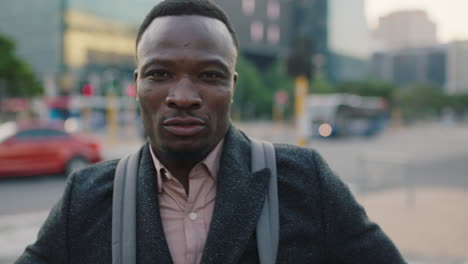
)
(36, 28)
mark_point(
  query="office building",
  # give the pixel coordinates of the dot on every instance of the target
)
(336, 31)
(457, 65)
(406, 29)
(441, 65)
(348, 40)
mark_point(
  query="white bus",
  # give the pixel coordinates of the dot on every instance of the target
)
(341, 115)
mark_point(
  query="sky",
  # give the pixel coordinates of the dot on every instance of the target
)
(451, 16)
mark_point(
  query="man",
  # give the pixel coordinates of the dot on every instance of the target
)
(197, 201)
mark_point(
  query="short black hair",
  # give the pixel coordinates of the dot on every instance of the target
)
(205, 8)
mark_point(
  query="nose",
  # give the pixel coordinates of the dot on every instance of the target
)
(184, 95)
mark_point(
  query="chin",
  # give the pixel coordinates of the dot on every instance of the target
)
(185, 154)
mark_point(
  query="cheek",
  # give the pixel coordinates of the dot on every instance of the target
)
(219, 106)
(150, 97)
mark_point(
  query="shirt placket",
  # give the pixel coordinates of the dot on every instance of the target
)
(192, 219)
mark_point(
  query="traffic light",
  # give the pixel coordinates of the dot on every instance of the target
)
(299, 61)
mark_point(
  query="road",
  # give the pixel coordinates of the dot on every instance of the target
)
(420, 157)
(424, 155)
(30, 194)
(415, 157)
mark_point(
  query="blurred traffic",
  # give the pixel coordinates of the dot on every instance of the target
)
(37, 148)
(344, 115)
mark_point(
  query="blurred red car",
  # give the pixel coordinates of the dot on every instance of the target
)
(38, 148)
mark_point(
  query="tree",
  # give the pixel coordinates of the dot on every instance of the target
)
(459, 103)
(421, 101)
(369, 88)
(321, 86)
(252, 99)
(276, 79)
(16, 77)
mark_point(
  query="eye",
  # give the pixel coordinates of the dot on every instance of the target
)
(160, 75)
(211, 75)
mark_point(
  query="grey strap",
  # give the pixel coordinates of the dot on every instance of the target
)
(124, 210)
(263, 156)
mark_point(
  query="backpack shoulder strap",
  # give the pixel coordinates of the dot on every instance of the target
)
(263, 156)
(124, 210)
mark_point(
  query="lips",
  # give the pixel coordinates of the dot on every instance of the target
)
(184, 126)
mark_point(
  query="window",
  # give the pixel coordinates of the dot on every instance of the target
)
(273, 34)
(256, 31)
(39, 133)
(273, 10)
(7, 130)
(248, 7)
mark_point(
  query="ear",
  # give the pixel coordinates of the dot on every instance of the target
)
(234, 85)
(234, 82)
(135, 76)
(135, 80)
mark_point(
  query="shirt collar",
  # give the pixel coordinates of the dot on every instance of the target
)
(211, 161)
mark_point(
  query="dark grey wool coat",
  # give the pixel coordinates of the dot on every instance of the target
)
(320, 222)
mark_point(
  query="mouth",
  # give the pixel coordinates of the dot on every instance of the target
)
(184, 126)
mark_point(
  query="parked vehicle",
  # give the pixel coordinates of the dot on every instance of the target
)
(342, 115)
(41, 148)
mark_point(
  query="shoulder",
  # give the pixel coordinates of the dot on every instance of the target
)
(307, 171)
(294, 156)
(95, 175)
(305, 166)
(301, 168)
(93, 182)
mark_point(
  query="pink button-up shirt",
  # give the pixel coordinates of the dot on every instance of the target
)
(186, 218)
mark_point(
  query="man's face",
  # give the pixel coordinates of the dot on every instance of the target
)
(185, 79)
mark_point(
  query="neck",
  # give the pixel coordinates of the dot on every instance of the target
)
(179, 165)
(182, 175)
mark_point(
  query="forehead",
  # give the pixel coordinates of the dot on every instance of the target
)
(186, 35)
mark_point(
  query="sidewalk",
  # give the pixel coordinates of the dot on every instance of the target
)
(433, 226)
(16, 232)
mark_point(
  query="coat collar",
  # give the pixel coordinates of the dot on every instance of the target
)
(239, 199)
(151, 242)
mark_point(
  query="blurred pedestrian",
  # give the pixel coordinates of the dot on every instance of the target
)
(197, 200)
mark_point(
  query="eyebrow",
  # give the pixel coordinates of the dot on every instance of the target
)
(168, 63)
(217, 62)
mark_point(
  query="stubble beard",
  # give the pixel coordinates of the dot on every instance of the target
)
(184, 157)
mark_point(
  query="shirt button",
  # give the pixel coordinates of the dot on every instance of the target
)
(193, 216)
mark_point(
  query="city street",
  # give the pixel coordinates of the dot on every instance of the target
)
(377, 90)
(402, 170)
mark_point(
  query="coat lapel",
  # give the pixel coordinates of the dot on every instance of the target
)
(239, 199)
(151, 242)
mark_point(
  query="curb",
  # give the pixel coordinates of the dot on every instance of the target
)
(17, 231)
